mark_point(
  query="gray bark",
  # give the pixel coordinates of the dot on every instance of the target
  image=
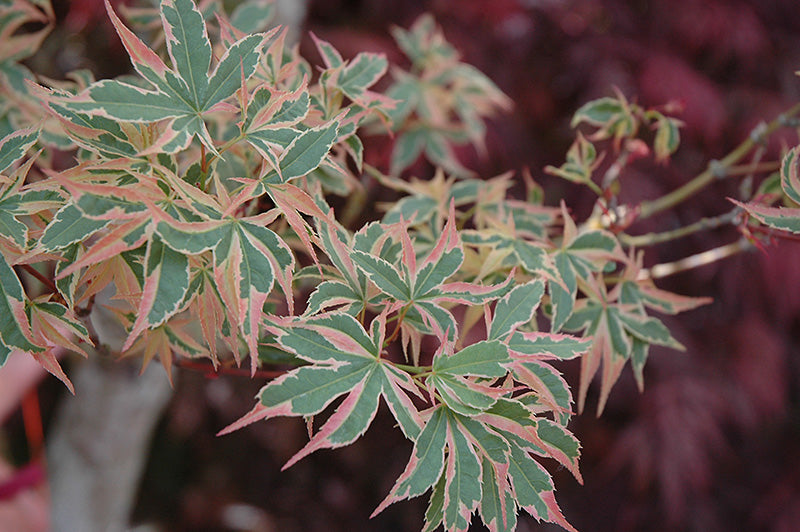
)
(98, 445)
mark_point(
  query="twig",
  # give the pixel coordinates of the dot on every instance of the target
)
(703, 224)
(695, 261)
(715, 169)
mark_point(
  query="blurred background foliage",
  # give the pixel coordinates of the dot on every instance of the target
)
(711, 445)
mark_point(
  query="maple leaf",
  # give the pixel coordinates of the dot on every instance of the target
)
(442, 103)
(16, 198)
(55, 326)
(615, 327)
(581, 254)
(346, 360)
(17, 43)
(351, 287)
(247, 259)
(179, 96)
(484, 463)
(164, 340)
(421, 288)
(15, 329)
(530, 349)
(110, 199)
(640, 294)
(350, 78)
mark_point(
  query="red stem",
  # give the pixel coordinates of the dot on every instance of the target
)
(44, 280)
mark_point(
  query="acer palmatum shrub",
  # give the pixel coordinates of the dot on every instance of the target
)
(220, 200)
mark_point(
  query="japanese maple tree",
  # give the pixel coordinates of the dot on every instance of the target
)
(201, 197)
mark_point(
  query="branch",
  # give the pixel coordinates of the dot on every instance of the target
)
(703, 224)
(695, 261)
(716, 169)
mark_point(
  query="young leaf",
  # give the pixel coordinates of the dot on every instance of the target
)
(360, 73)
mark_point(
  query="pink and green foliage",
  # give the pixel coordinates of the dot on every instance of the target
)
(785, 218)
(200, 199)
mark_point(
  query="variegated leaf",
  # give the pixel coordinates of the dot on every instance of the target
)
(14, 146)
(69, 226)
(166, 283)
(304, 153)
(515, 308)
(345, 360)
(15, 329)
(782, 218)
(180, 96)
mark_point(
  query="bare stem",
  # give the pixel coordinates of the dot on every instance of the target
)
(695, 261)
(397, 326)
(715, 169)
(748, 169)
(703, 224)
(412, 369)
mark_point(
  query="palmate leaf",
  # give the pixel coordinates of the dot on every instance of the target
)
(112, 200)
(248, 258)
(360, 73)
(55, 326)
(351, 289)
(613, 327)
(180, 96)
(580, 255)
(478, 465)
(268, 125)
(420, 287)
(442, 451)
(345, 360)
(450, 376)
(165, 341)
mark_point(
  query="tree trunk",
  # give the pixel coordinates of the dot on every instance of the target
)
(99, 443)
